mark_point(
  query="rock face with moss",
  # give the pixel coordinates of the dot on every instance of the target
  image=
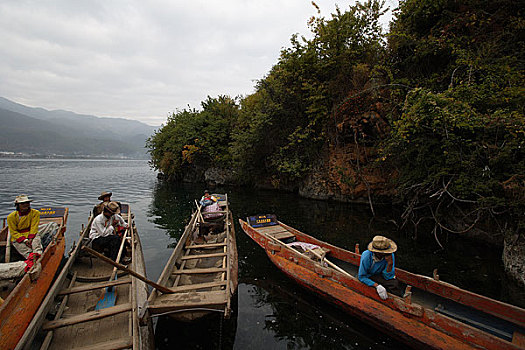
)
(349, 174)
(430, 116)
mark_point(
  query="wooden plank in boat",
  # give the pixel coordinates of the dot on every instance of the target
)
(113, 344)
(189, 287)
(202, 256)
(283, 235)
(188, 300)
(85, 317)
(93, 286)
(271, 229)
(204, 270)
(211, 245)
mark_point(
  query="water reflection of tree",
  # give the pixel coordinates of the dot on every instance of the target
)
(172, 206)
(304, 321)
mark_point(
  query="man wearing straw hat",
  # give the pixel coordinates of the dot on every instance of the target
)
(377, 267)
(102, 231)
(105, 197)
(23, 227)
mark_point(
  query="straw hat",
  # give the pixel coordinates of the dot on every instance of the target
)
(112, 207)
(382, 244)
(23, 198)
(104, 194)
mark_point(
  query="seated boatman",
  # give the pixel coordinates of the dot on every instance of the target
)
(207, 199)
(377, 267)
(23, 227)
(105, 197)
(103, 233)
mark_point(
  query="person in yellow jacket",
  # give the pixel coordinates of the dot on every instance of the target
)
(23, 227)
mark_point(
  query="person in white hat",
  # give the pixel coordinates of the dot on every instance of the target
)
(103, 233)
(377, 267)
(23, 227)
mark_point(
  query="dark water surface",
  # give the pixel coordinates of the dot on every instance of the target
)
(271, 311)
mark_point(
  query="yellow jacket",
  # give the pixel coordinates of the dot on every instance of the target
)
(22, 227)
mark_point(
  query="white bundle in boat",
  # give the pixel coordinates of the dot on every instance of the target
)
(12, 270)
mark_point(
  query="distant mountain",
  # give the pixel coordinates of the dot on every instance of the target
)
(68, 133)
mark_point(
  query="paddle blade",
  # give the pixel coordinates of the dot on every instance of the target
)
(108, 299)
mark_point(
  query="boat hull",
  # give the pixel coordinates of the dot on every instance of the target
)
(417, 326)
(361, 307)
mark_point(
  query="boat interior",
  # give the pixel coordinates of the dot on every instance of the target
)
(459, 312)
(94, 304)
(200, 273)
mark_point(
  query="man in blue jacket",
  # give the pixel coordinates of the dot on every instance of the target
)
(377, 267)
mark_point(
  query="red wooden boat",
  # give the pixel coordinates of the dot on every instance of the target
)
(432, 314)
(25, 296)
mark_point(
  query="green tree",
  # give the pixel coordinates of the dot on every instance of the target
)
(294, 104)
(193, 137)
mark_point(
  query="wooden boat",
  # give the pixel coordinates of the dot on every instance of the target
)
(67, 319)
(202, 275)
(432, 313)
(23, 297)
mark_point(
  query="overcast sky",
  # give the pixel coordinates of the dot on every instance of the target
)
(142, 59)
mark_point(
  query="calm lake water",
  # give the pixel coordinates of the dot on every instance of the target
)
(271, 311)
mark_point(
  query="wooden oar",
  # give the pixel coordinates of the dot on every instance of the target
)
(199, 213)
(317, 255)
(330, 263)
(8, 247)
(131, 272)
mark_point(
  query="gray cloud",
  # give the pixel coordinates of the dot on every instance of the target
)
(141, 59)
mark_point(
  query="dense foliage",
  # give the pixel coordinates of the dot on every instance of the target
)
(191, 137)
(440, 98)
(459, 142)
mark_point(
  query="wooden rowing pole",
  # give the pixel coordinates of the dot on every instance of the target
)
(131, 272)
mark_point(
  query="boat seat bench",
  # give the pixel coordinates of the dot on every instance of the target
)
(93, 286)
(112, 344)
(210, 245)
(86, 317)
(201, 256)
(199, 270)
(185, 288)
(283, 235)
(181, 301)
